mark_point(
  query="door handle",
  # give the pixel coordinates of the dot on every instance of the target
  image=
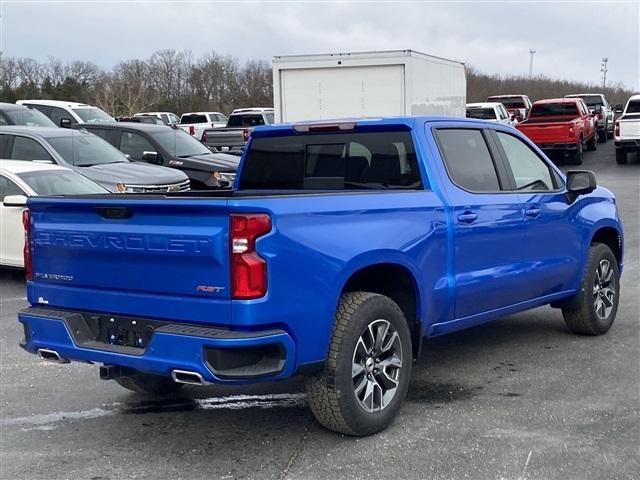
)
(532, 212)
(467, 217)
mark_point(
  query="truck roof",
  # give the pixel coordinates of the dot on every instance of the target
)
(483, 105)
(512, 95)
(20, 166)
(557, 100)
(56, 103)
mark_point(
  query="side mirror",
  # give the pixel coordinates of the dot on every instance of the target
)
(151, 157)
(15, 201)
(597, 109)
(580, 182)
(65, 122)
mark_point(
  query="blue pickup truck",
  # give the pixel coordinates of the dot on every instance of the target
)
(340, 248)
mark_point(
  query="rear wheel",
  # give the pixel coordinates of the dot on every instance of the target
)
(368, 367)
(621, 156)
(592, 143)
(148, 383)
(593, 309)
(575, 158)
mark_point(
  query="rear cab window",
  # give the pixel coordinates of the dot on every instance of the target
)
(332, 161)
(193, 118)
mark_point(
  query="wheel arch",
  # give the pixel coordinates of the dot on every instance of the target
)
(398, 282)
(610, 236)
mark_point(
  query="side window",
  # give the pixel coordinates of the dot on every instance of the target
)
(529, 171)
(134, 145)
(164, 117)
(110, 135)
(58, 114)
(44, 109)
(7, 187)
(28, 149)
(468, 161)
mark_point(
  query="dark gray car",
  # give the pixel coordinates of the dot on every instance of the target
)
(90, 155)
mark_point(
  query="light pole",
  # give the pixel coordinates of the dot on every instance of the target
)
(531, 53)
(603, 69)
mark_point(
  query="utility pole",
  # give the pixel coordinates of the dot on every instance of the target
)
(603, 69)
(531, 53)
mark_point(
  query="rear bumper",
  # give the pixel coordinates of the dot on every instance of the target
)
(558, 146)
(218, 355)
(628, 145)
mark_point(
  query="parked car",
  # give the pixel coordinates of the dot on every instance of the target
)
(235, 135)
(149, 119)
(167, 117)
(334, 257)
(65, 114)
(19, 180)
(195, 123)
(599, 106)
(561, 125)
(627, 130)
(89, 155)
(12, 114)
(491, 111)
(171, 147)
(517, 105)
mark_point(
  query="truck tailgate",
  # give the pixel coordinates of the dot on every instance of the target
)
(630, 127)
(548, 132)
(220, 137)
(128, 255)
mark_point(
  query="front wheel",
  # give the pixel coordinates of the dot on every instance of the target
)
(593, 309)
(368, 367)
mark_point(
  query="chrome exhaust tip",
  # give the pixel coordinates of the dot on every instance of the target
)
(185, 376)
(51, 356)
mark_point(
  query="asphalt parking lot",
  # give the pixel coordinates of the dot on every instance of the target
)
(519, 398)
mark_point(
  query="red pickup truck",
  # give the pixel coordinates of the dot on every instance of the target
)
(562, 125)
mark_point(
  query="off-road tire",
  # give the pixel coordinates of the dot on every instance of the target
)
(331, 393)
(621, 156)
(579, 313)
(149, 384)
(575, 158)
(602, 136)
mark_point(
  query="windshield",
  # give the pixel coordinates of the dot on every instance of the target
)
(245, 120)
(179, 143)
(29, 117)
(92, 115)
(60, 182)
(332, 161)
(481, 113)
(509, 102)
(85, 150)
(554, 109)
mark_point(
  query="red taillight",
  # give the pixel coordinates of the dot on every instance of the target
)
(28, 263)
(245, 135)
(204, 137)
(600, 116)
(192, 130)
(616, 128)
(248, 269)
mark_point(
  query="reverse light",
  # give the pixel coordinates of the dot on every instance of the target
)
(248, 269)
(28, 259)
(192, 130)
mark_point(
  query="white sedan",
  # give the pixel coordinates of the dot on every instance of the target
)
(491, 111)
(21, 179)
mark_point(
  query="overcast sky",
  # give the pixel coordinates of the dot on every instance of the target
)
(494, 37)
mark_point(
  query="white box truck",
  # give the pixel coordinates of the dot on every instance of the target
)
(367, 84)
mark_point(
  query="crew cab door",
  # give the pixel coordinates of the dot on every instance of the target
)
(488, 222)
(553, 243)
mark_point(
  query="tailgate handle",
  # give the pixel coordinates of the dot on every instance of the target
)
(114, 213)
